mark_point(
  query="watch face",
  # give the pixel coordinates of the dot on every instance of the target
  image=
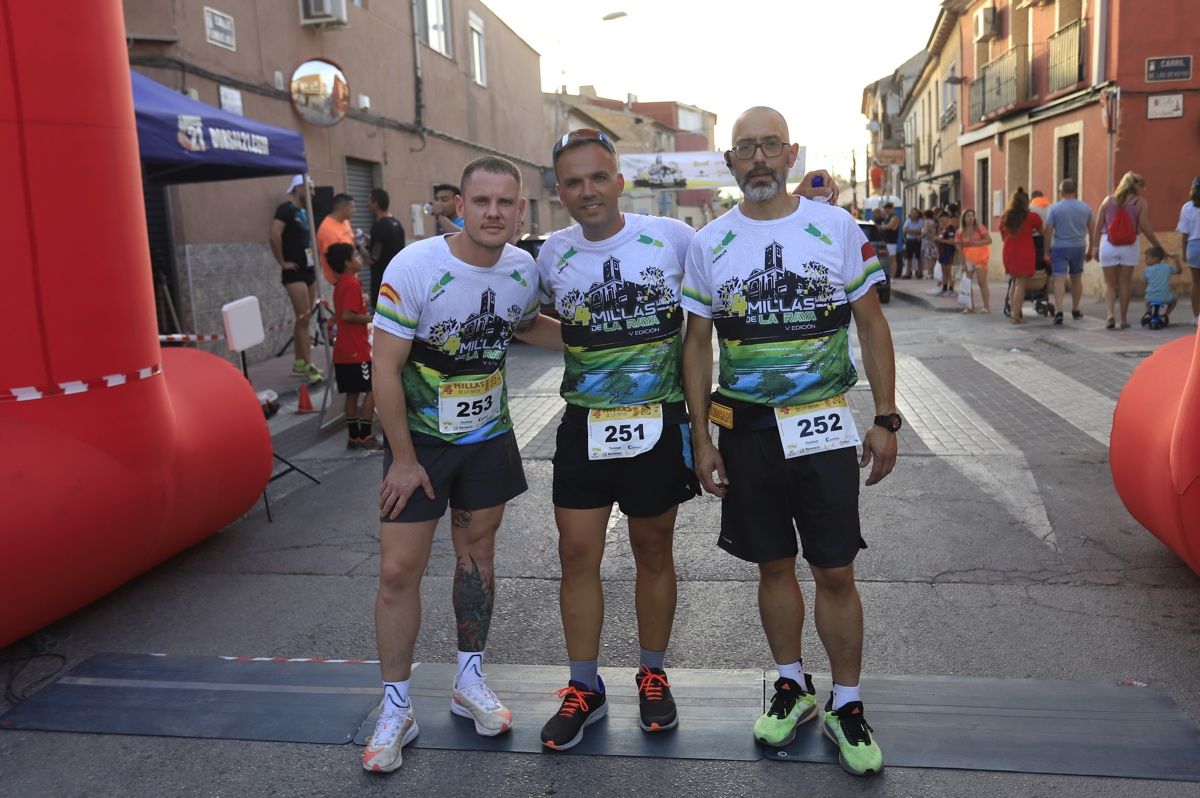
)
(894, 422)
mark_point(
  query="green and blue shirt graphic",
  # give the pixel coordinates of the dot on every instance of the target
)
(779, 294)
(619, 302)
(460, 319)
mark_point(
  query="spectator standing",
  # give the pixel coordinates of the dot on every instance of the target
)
(912, 243)
(387, 238)
(352, 350)
(891, 236)
(335, 229)
(1020, 258)
(1068, 229)
(946, 250)
(290, 245)
(445, 212)
(929, 249)
(976, 241)
(1122, 215)
(1189, 229)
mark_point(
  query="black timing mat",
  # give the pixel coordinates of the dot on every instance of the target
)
(1019, 725)
(717, 709)
(215, 697)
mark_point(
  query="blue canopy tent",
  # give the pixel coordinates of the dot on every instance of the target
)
(182, 140)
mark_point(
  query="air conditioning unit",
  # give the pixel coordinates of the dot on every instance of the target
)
(985, 23)
(323, 12)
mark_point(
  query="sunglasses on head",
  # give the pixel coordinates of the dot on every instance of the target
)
(580, 136)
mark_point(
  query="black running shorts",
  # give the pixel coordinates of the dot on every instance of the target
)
(305, 274)
(771, 498)
(472, 476)
(643, 486)
(353, 377)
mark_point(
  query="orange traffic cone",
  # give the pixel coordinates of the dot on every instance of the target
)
(305, 405)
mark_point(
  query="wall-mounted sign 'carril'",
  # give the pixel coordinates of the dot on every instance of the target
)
(1172, 67)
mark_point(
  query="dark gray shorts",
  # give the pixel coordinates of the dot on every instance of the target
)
(468, 477)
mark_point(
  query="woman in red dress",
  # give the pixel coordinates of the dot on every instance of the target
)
(1016, 228)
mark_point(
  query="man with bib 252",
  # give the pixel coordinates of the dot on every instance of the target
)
(448, 308)
(780, 278)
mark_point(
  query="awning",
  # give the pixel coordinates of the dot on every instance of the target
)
(182, 140)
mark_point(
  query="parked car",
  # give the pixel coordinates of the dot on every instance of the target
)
(876, 238)
(533, 245)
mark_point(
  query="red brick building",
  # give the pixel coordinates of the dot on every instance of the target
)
(1087, 89)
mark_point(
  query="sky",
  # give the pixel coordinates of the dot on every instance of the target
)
(810, 59)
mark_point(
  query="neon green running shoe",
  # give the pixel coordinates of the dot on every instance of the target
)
(848, 729)
(791, 706)
(299, 367)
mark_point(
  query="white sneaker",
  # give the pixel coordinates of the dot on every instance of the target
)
(393, 731)
(935, 292)
(478, 702)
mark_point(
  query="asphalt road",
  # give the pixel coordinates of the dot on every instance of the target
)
(998, 548)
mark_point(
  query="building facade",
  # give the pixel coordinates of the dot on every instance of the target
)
(428, 87)
(932, 175)
(882, 105)
(1085, 89)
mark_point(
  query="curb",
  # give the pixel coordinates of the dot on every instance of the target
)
(913, 299)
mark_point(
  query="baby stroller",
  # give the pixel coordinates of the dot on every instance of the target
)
(1037, 290)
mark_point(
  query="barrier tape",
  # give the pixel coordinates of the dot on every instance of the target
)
(290, 659)
(180, 338)
(31, 392)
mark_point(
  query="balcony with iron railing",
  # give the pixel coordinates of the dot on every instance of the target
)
(1066, 57)
(1002, 84)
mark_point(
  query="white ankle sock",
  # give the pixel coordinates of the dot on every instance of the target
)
(843, 695)
(395, 696)
(793, 671)
(470, 669)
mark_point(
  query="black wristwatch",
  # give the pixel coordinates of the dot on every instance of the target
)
(890, 422)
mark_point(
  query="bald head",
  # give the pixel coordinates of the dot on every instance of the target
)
(760, 122)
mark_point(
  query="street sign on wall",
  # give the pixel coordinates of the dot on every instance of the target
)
(1171, 67)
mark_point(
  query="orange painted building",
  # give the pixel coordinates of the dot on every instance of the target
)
(1087, 89)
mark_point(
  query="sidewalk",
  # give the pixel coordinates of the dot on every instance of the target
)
(1087, 333)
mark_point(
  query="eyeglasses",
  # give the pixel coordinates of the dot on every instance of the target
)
(771, 148)
(580, 136)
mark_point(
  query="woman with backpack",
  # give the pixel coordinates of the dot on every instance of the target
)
(1122, 215)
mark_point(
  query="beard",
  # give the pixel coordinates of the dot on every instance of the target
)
(759, 192)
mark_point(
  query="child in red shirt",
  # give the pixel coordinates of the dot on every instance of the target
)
(351, 349)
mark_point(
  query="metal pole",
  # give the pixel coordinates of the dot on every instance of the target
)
(312, 240)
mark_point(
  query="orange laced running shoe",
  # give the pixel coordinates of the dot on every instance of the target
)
(655, 701)
(580, 708)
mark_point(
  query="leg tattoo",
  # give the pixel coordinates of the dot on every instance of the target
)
(460, 518)
(474, 596)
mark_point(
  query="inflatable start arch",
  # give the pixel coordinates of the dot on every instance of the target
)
(115, 453)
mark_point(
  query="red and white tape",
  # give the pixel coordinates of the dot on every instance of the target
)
(31, 392)
(178, 338)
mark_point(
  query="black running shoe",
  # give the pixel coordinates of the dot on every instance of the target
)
(655, 701)
(581, 707)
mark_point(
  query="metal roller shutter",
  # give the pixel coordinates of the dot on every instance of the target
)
(360, 181)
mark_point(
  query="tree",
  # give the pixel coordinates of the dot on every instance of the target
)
(775, 385)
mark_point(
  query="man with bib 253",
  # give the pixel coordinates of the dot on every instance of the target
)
(448, 308)
(780, 278)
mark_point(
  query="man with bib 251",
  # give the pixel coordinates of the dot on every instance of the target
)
(614, 279)
(448, 308)
(780, 278)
